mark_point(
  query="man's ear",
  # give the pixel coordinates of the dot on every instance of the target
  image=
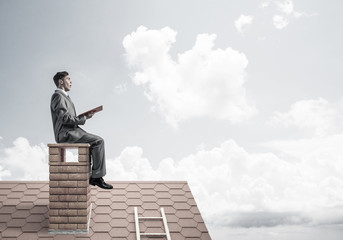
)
(60, 82)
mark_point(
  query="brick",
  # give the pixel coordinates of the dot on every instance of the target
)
(68, 184)
(54, 151)
(77, 205)
(68, 212)
(68, 198)
(78, 176)
(68, 163)
(68, 226)
(53, 226)
(77, 191)
(82, 226)
(84, 184)
(58, 191)
(54, 169)
(53, 212)
(83, 212)
(58, 219)
(74, 169)
(78, 219)
(84, 158)
(53, 198)
(58, 176)
(83, 151)
(53, 184)
(58, 205)
(82, 198)
(55, 158)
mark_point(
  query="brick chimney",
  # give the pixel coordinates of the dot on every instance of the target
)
(70, 199)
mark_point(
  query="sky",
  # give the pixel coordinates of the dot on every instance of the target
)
(242, 99)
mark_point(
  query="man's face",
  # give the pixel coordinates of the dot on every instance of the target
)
(65, 83)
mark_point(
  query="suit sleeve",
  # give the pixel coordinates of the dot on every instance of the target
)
(59, 106)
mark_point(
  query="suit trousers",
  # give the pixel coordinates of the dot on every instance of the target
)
(97, 152)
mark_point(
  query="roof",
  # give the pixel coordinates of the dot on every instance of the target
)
(24, 212)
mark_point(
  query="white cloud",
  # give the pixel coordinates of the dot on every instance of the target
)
(120, 88)
(265, 4)
(288, 11)
(202, 82)
(4, 173)
(284, 12)
(25, 162)
(280, 22)
(316, 114)
(286, 7)
(243, 22)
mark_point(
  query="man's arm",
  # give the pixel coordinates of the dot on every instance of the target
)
(59, 106)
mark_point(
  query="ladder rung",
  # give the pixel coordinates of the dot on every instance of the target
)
(153, 234)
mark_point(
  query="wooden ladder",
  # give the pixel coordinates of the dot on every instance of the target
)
(164, 220)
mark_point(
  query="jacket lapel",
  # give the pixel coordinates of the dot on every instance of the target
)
(68, 98)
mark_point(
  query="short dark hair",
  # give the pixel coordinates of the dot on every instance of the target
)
(60, 75)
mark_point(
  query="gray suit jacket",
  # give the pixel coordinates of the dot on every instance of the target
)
(64, 119)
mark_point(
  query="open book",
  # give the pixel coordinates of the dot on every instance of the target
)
(94, 110)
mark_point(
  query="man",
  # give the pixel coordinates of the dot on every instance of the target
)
(66, 128)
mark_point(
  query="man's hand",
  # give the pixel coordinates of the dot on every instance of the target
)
(89, 115)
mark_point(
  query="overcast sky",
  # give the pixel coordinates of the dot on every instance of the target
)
(243, 99)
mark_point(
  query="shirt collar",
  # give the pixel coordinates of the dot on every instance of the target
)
(62, 91)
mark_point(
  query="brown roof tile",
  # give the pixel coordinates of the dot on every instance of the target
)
(24, 211)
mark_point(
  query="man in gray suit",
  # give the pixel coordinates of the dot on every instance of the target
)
(66, 128)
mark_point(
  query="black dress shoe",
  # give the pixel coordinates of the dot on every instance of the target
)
(100, 183)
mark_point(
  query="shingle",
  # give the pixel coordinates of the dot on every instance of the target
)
(190, 232)
(148, 191)
(35, 218)
(101, 218)
(147, 185)
(28, 236)
(25, 206)
(39, 209)
(21, 214)
(165, 202)
(119, 223)
(134, 202)
(161, 188)
(101, 236)
(133, 188)
(7, 209)
(31, 227)
(181, 206)
(11, 201)
(150, 205)
(133, 194)
(102, 227)
(11, 232)
(119, 214)
(102, 209)
(16, 223)
(119, 198)
(19, 188)
(103, 202)
(119, 232)
(15, 195)
(119, 206)
(188, 223)
(7, 186)
(5, 218)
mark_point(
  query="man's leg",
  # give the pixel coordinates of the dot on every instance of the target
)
(97, 151)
